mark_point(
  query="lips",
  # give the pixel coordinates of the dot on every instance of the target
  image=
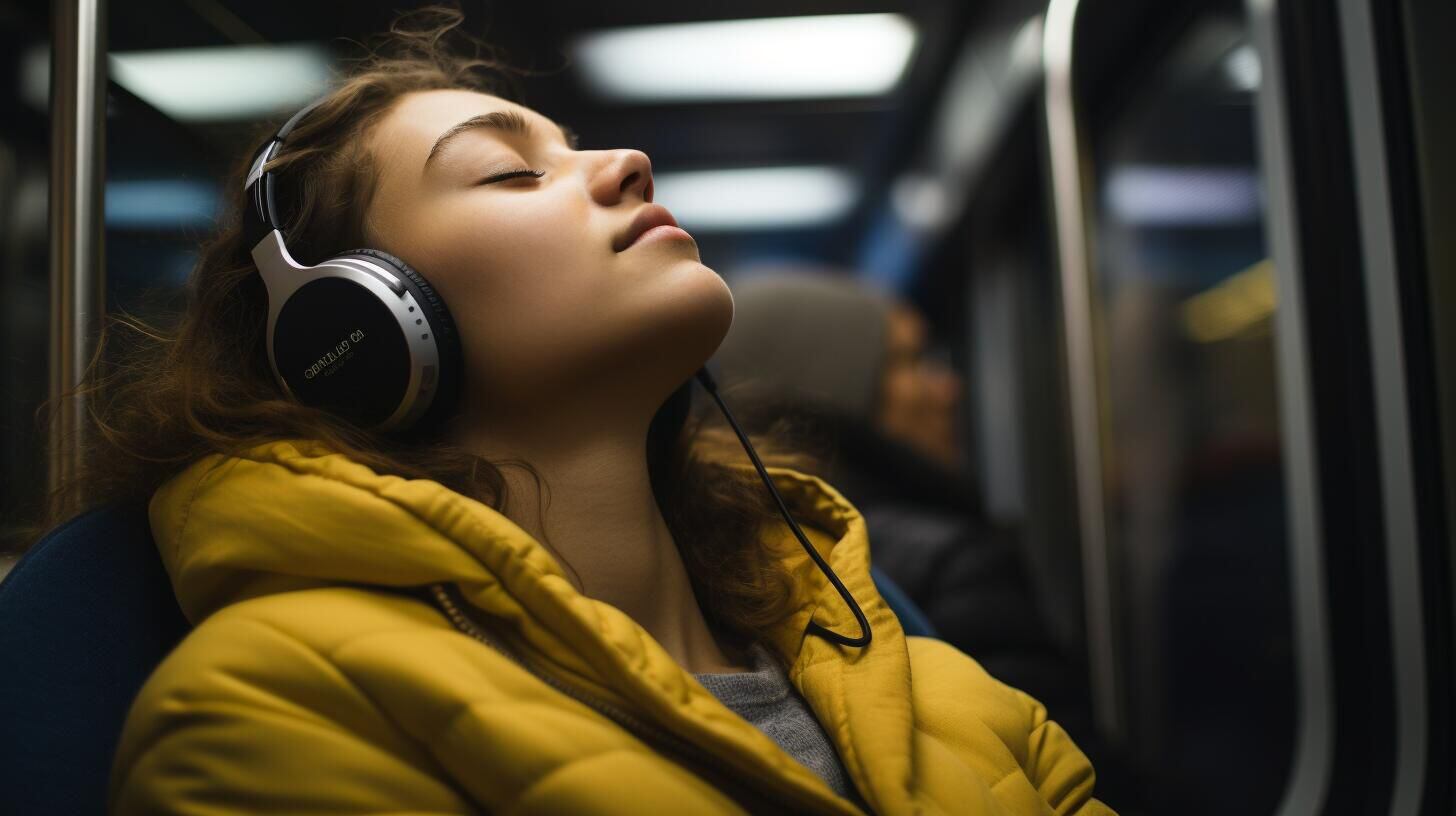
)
(651, 215)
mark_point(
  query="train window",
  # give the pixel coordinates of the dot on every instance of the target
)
(1184, 300)
(24, 258)
(1017, 409)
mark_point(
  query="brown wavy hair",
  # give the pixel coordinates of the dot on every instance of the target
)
(202, 385)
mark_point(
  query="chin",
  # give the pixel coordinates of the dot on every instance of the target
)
(717, 307)
(699, 312)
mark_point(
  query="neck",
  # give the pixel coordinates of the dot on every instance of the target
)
(595, 511)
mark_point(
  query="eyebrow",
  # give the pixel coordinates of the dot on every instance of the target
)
(505, 121)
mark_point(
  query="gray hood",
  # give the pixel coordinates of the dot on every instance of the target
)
(810, 332)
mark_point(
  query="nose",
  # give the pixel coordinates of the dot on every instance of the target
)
(625, 173)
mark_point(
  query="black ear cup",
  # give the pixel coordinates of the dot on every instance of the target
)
(338, 346)
(437, 323)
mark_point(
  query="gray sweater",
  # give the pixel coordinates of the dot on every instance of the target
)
(766, 698)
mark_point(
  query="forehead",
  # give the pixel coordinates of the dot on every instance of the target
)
(403, 138)
(419, 117)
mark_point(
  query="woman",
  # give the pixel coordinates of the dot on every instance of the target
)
(410, 623)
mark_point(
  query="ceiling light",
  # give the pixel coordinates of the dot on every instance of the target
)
(921, 201)
(829, 55)
(224, 83)
(755, 198)
(1184, 195)
(1242, 68)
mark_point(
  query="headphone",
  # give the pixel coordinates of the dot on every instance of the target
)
(361, 335)
(365, 337)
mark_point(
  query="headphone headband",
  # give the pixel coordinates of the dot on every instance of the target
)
(260, 215)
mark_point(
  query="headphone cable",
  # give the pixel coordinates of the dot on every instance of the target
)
(814, 628)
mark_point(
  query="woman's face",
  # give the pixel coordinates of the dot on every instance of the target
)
(919, 395)
(534, 270)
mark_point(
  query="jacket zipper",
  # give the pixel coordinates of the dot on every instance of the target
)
(648, 732)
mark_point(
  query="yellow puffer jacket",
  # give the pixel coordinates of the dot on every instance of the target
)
(316, 682)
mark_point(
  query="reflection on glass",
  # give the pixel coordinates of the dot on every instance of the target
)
(1195, 496)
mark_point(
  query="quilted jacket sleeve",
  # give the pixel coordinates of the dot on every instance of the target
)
(1056, 766)
(244, 718)
(1003, 731)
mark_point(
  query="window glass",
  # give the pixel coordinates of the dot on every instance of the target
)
(24, 264)
(1184, 298)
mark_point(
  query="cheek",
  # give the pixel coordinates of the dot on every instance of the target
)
(897, 392)
(526, 277)
(947, 388)
(929, 398)
(503, 252)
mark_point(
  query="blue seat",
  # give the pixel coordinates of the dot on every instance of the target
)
(84, 618)
(912, 620)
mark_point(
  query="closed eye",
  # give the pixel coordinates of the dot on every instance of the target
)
(513, 174)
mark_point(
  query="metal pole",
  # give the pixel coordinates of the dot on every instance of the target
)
(1069, 208)
(1308, 785)
(78, 169)
(1392, 404)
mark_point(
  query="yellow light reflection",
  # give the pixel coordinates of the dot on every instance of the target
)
(1241, 302)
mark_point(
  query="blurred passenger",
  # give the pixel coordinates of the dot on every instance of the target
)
(852, 366)
(382, 623)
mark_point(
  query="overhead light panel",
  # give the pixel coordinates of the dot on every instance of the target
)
(1242, 68)
(226, 82)
(755, 198)
(832, 55)
(1184, 195)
